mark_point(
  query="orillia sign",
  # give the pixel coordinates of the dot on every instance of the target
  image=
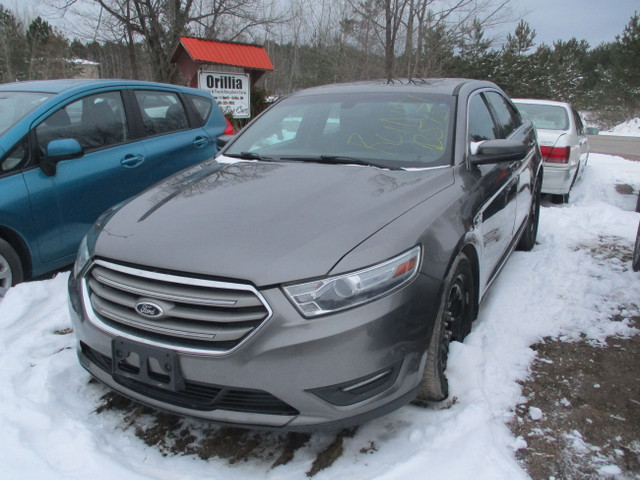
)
(231, 91)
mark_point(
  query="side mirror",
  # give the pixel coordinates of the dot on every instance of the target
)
(222, 140)
(592, 131)
(58, 150)
(497, 151)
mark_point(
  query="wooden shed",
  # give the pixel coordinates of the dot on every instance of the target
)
(193, 54)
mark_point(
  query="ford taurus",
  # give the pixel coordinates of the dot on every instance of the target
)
(316, 271)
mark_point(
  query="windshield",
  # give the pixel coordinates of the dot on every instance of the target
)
(391, 130)
(547, 117)
(14, 106)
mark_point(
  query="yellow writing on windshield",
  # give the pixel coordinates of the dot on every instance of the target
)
(400, 132)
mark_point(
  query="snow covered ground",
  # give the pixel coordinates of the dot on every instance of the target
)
(50, 429)
(630, 128)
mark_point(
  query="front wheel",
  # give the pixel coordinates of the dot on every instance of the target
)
(453, 322)
(10, 267)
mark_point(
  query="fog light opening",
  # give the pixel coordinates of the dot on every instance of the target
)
(366, 382)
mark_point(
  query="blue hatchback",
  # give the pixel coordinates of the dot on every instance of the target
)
(70, 149)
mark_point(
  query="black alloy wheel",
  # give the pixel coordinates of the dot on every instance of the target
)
(528, 240)
(453, 322)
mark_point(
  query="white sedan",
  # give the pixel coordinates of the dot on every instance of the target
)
(563, 144)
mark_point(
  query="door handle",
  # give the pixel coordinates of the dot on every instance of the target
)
(132, 161)
(201, 141)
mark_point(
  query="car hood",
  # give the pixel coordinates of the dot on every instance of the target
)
(266, 223)
(551, 138)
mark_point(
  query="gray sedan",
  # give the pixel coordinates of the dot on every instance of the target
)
(315, 272)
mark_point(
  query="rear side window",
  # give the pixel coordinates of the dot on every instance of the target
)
(95, 121)
(506, 116)
(203, 106)
(162, 112)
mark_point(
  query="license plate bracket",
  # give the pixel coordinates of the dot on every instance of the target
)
(154, 366)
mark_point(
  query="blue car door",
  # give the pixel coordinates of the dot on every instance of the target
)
(65, 203)
(174, 140)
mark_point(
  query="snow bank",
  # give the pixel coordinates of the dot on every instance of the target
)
(630, 128)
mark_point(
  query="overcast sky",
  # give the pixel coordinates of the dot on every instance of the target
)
(595, 21)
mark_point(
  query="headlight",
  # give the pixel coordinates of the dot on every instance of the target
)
(332, 294)
(83, 257)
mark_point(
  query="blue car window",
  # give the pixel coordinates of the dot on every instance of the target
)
(14, 106)
(95, 122)
(203, 106)
(162, 112)
(17, 157)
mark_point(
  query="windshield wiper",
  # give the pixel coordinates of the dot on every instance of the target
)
(248, 156)
(334, 160)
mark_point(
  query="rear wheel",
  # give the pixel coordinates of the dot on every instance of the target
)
(10, 267)
(453, 322)
(635, 264)
(528, 240)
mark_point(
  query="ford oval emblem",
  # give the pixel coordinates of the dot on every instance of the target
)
(149, 309)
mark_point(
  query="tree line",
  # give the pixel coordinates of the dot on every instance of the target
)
(314, 42)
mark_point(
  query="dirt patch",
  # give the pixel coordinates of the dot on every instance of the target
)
(625, 189)
(581, 418)
(63, 331)
(175, 435)
(329, 455)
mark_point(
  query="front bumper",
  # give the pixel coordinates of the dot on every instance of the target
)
(293, 373)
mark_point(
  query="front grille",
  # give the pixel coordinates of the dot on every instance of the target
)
(195, 314)
(199, 396)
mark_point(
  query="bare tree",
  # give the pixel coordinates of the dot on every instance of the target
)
(161, 23)
(416, 21)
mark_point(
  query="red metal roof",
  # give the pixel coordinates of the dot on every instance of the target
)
(238, 55)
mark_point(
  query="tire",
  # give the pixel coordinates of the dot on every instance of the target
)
(564, 198)
(635, 263)
(528, 240)
(453, 322)
(10, 267)
(560, 199)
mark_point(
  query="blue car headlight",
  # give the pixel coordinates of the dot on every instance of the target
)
(332, 294)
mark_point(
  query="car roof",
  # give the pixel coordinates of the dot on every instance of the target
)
(67, 85)
(445, 86)
(537, 101)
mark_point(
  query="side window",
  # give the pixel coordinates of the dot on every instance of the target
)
(17, 157)
(507, 117)
(579, 124)
(481, 126)
(202, 105)
(95, 121)
(162, 112)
